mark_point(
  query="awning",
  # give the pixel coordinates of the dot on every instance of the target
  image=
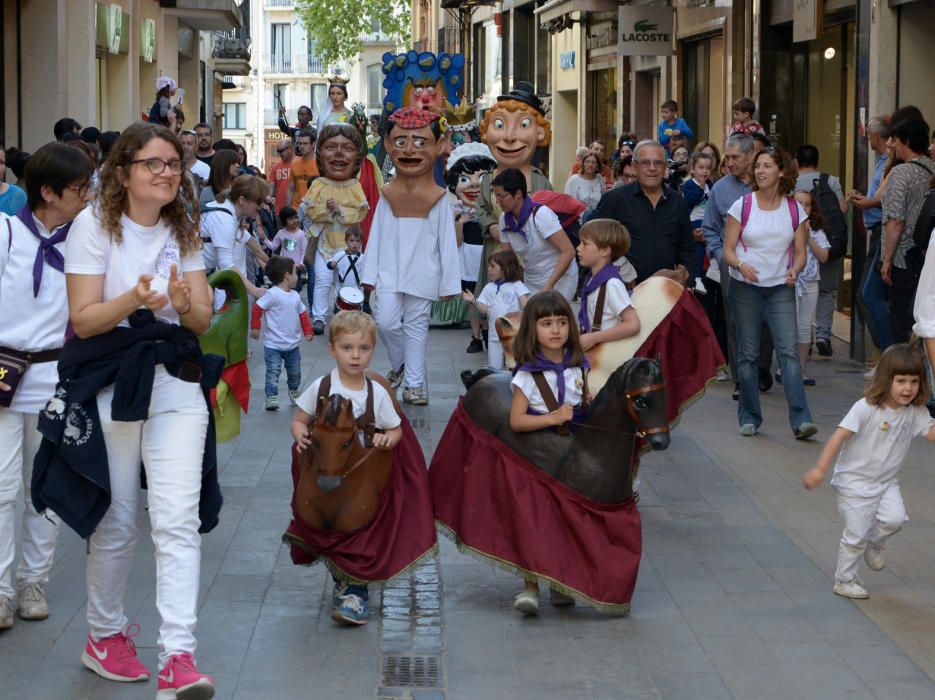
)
(205, 15)
(556, 8)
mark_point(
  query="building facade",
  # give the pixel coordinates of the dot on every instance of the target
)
(287, 71)
(98, 62)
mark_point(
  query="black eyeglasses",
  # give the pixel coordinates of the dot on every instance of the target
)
(157, 166)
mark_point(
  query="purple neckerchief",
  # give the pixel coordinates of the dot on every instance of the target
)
(513, 225)
(499, 284)
(47, 251)
(543, 364)
(591, 284)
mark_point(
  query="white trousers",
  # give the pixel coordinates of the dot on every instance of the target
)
(170, 445)
(805, 306)
(403, 323)
(868, 522)
(321, 296)
(494, 350)
(18, 448)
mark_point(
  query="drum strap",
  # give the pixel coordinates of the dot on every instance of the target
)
(599, 309)
(367, 422)
(548, 397)
(351, 267)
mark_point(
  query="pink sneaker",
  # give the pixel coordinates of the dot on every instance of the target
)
(179, 679)
(114, 657)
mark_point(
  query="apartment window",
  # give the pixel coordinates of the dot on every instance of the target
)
(279, 95)
(374, 87)
(280, 47)
(235, 115)
(319, 98)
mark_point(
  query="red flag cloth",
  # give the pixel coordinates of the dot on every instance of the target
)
(237, 377)
(510, 513)
(400, 535)
(368, 181)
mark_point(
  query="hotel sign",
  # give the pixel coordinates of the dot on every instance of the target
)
(645, 31)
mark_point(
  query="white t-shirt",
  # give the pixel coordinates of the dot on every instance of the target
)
(384, 414)
(616, 301)
(924, 309)
(574, 387)
(201, 169)
(281, 311)
(587, 191)
(538, 255)
(228, 239)
(767, 238)
(503, 301)
(144, 250)
(870, 460)
(30, 323)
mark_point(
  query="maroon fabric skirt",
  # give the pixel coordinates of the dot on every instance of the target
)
(400, 535)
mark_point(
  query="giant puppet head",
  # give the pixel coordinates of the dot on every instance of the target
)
(414, 140)
(462, 123)
(339, 150)
(516, 126)
(467, 164)
(421, 80)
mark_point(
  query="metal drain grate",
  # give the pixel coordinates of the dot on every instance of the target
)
(411, 671)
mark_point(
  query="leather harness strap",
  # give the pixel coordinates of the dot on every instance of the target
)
(548, 397)
(367, 421)
(596, 322)
(632, 394)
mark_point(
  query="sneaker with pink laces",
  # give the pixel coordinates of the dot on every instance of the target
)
(114, 657)
(180, 680)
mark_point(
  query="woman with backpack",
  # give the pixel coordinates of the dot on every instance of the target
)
(764, 246)
(536, 235)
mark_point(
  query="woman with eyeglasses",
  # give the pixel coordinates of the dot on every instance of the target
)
(764, 246)
(35, 313)
(138, 299)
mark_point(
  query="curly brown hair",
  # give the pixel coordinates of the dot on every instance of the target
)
(181, 214)
(786, 165)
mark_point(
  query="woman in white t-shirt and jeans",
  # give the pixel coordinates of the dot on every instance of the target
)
(765, 258)
(138, 247)
(537, 237)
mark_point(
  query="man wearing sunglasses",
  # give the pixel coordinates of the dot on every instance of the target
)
(280, 173)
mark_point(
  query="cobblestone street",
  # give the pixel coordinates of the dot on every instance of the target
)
(733, 599)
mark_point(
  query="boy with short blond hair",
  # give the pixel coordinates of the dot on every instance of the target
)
(352, 338)
(672, 124)
(742, 113)
(606, 312)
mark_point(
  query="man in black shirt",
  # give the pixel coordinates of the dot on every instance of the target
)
(661, 238)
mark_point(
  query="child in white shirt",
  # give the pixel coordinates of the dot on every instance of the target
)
(348, 264)
(873, 441)
(549, 388)
(352, 337)
(286, 323)
(505, 293)
(602, 242)
(291, 242)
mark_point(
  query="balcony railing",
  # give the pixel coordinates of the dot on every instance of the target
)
(279, 3)
(231, 47)
(293, 63)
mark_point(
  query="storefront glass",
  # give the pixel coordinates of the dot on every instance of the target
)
(603, 108)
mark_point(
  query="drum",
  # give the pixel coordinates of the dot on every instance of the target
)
(349, 299)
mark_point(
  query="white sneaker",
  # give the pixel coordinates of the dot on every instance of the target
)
(272, 403)
(293, 398)
(6, 613)
(723, 375)
(32, 605)
(699, 286)
(415, 395)
(851, 589)
(527, 602)
(395, 377)
(873, 555)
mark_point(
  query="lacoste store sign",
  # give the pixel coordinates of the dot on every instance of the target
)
(646, 31)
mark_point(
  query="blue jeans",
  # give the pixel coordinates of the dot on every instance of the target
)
(876, 296)
(274, 361)
(310, 288)
(751, 306)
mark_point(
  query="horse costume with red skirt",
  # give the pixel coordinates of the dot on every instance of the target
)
(400, 535)
(505, 510)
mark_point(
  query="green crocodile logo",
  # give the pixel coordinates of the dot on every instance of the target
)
(644, 25)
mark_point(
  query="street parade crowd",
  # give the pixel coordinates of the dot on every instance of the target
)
(134, 266)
